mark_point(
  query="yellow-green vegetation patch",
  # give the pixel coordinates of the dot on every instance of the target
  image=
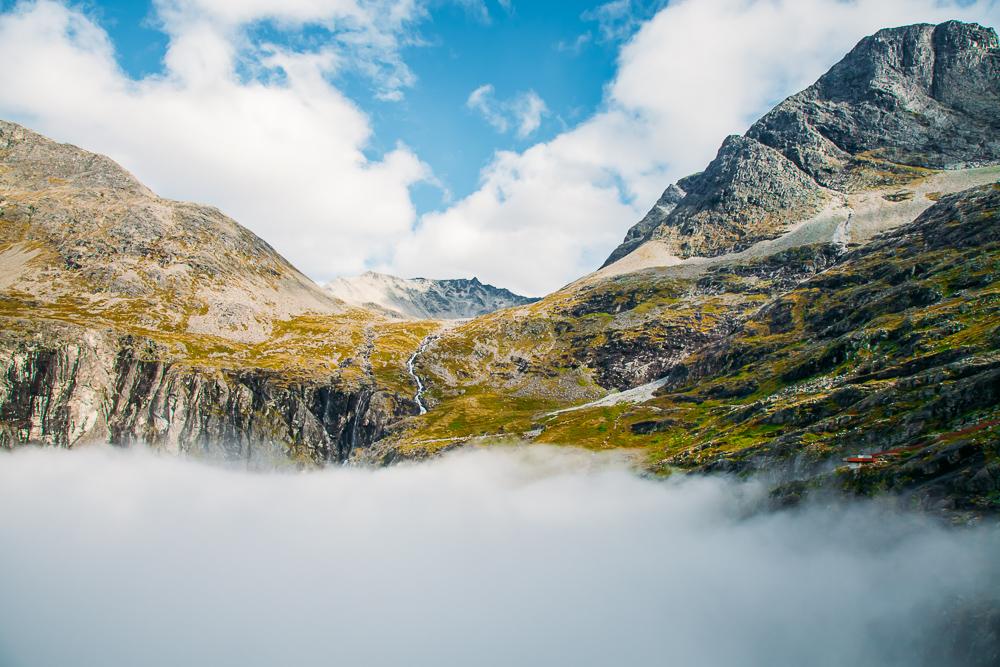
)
(392, 346)
(308, 345)
(478, 412)
(605, 427)
(869, 170)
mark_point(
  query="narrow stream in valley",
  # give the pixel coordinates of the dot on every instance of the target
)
(416, 378)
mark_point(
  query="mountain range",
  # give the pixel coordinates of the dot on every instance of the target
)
(421, 298)
(826, 289)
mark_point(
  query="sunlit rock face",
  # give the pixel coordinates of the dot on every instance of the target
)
(918, 96)
(80, 233)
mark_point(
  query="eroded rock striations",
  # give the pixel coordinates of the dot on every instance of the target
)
(102, 388)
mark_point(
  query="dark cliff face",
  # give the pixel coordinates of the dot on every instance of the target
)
(67, 392)
(625, 358)
(918, 96)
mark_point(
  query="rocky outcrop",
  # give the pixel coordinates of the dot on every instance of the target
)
(81, 387)
(746, 195)
(423, 298)
(642, 231)
(920, 96)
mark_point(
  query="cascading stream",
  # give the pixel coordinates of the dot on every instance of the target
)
(416, 378)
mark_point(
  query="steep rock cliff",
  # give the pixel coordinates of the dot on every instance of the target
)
(73, 386)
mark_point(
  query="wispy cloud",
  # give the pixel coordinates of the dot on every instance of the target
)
(619, 19)
(528, 109)
(523, 112)
(577, 45)
(482, 100)
(368, 35)
(613, 19)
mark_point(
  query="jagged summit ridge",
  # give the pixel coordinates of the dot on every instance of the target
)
(916, 97)
(420, 298)
(921, 95)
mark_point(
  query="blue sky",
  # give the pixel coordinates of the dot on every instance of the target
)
(511, 140)
(564, 50)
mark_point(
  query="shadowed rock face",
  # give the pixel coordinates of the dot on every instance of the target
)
(69, 390)
(919, 96)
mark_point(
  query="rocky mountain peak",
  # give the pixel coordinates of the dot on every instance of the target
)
(906, 63)
(920, 96)
(79, 229)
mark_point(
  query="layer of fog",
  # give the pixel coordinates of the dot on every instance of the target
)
(499, 557)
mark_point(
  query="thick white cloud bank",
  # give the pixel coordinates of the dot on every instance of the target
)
(264, 133)
(500, 557)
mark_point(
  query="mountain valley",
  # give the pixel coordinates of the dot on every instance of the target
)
(828, 287)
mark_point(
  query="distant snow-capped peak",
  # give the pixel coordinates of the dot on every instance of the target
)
(422, 297)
